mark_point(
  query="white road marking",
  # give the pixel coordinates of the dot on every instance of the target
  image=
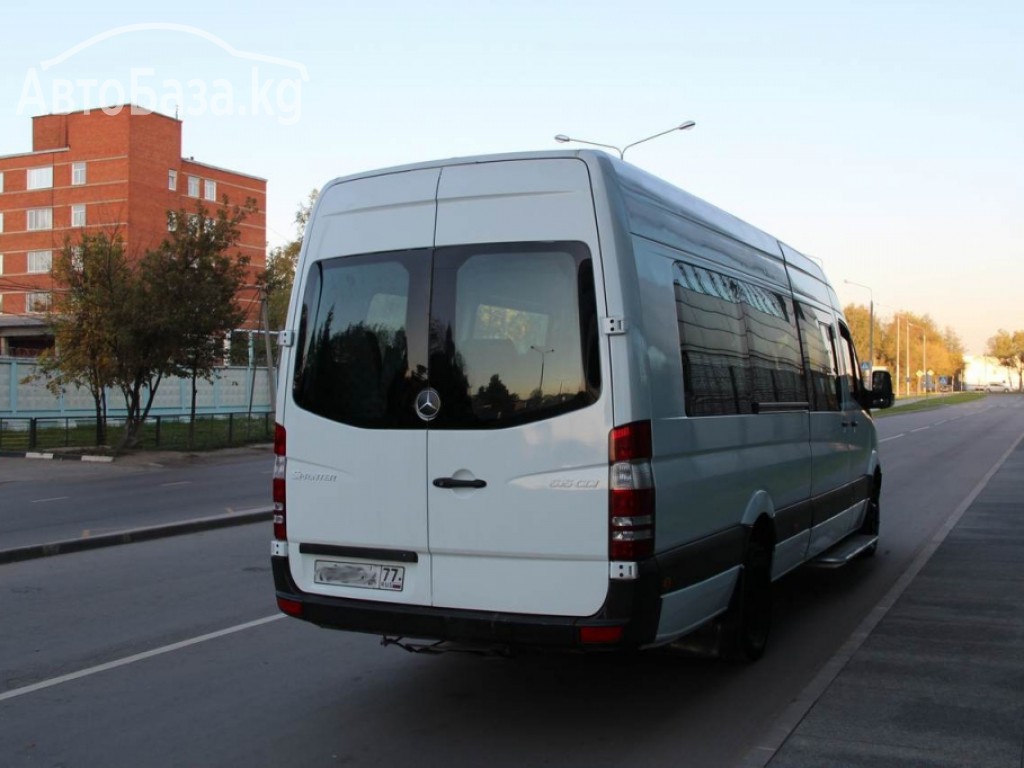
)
(894, 437)
(180, 482)
(919, 429)
(43, 684)
(52, 498)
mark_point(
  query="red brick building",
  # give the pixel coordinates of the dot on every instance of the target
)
(103, 170)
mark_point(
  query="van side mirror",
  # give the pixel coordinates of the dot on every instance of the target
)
(881, 389)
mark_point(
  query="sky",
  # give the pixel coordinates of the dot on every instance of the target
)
(884, 138)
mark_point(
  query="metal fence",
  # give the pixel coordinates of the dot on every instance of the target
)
(218, 430)
(233, 389)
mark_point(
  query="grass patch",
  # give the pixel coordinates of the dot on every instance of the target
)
(929, 403)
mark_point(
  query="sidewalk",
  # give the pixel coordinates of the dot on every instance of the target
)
(935, 676)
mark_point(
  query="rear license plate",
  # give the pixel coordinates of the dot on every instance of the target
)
(363, 575)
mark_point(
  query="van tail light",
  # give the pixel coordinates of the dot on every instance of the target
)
(631, 492)
(602, 635)
(280, 470)
(291, 607)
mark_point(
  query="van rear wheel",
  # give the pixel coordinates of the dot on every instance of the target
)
(872, 519)
(745, 627)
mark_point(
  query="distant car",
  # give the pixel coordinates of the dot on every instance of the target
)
(996, 386)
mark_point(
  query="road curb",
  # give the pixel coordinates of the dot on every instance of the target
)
(48, 455)
(147, 533)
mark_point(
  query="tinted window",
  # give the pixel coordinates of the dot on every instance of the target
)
(851, 371)
(776, 368)
(739, 344)
(712, 342)
(819, 348)
(513, 333)
(362, 341)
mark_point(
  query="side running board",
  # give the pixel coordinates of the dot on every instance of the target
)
(845, 551)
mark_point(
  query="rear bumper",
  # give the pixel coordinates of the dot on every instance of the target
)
(632, 605)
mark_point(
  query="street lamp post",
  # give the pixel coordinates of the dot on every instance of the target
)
(563, 139)
(871, 321)
(543, 353)
(924, 361)
(896, 319)
(909, 325)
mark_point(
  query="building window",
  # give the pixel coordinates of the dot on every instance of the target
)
(193, 186)
(40, 178)
(78, 215)
(38, 301)
(1, 221)
(1, 265)
(172, 180)
(76, 258)
(78, 173)
(39, 218)
(172, 221)
(40, 262)
(1, 181)
(210, 190)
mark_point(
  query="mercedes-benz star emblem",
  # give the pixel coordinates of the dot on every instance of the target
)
(428, 403)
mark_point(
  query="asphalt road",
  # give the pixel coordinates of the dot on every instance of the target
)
(43, 501)
(171, 653)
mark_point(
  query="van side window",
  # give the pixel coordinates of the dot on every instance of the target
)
(851, 371)
(361, 361)
(820, 355)
(776, 366)
(738, 342)
(712, 342)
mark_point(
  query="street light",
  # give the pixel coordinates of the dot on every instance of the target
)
(896, 318)
(924, 356)
(563, 139)
(899, 344)
(870, 332)
(543, 354)
(909, 325)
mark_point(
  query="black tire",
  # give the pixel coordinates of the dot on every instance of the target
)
(872, 519)
(745, 627)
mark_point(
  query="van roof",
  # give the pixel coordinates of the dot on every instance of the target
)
(639, 181)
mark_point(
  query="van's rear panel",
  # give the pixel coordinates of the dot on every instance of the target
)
(448, 407)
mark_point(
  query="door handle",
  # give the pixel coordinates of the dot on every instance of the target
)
(851, 423)
(451, 482)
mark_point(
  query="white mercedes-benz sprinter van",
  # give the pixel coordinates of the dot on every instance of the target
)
(550, 400)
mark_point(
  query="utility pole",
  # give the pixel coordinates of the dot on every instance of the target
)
(271, 367)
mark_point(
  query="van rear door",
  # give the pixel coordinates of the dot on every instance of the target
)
(357, 453)
(517, 452)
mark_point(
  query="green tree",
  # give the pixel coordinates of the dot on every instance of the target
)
(200, 280)
(924, 344)
(92, 280)
(143, 347)
(858, 318)
(1009, 349)
(276, 280)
